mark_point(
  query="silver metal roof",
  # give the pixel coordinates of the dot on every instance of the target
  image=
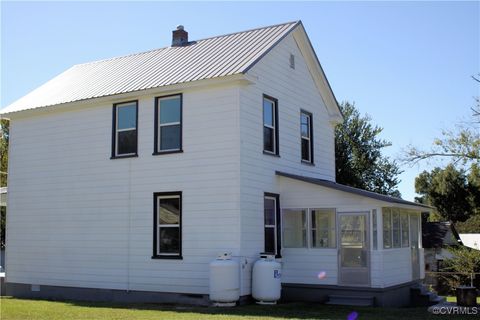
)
(203, 59)
(357, 191)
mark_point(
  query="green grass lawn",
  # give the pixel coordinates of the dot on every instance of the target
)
(14, 309)
(454, 299)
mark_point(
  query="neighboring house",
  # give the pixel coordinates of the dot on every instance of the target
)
(438, 237)
(127, 176)
(471, 240)
(3, 196)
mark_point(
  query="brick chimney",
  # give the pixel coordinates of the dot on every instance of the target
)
(179, 37)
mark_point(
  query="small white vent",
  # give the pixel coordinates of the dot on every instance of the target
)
(292, 61)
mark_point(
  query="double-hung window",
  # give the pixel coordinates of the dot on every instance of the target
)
(272, 223)
(124, 135)
(306, 133)
(270, 125)
(168, 124)
(167, 224)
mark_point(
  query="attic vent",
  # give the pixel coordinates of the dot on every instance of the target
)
(292, 61)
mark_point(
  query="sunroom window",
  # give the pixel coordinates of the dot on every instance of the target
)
(387, 228)
(309, 228)
(396, 228)
(323, 228)
(295, 228)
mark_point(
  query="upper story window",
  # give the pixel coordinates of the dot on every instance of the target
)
(124, 135)
(168, 124)
(270, 125)
(306, 133)
(272, 223)
(167, 229)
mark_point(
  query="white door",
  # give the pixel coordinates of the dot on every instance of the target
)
(353, 251)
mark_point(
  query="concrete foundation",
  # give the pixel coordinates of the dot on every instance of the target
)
(394, 296)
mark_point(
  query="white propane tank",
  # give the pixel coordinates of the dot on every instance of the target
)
(224, 281)
(266, 282)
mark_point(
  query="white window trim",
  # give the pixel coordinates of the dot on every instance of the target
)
(117, 131)
(329, 230)
(309, 229)
(307, 226)
(159, 225)
(406, 212)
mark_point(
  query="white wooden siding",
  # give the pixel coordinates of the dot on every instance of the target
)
(397, 266)
(77, 218)
(295, 90)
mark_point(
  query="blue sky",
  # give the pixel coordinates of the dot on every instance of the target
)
(406, 64)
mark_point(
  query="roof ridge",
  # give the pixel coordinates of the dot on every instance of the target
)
(203, 39)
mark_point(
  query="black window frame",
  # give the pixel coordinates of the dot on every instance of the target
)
(155, 254)
(311, 144)
(276, 144)
(278, 225)
(156, 150)
(114, 131)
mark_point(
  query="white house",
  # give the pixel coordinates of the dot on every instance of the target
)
(127, 176)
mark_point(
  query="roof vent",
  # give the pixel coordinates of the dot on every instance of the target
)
(179, 37)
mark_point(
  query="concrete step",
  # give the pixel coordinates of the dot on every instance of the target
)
(421, 296)
(438, 300)
(361, 301)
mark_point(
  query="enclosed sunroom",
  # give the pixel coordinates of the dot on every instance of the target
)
(339, 240)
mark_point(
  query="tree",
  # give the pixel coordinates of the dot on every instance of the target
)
(464, 263)
(476, 108)
(471, 225)
(461, 145)
(4, 137)
(358, 154)
(451, 191)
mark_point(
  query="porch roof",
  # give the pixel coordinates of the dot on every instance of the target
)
(344, 188)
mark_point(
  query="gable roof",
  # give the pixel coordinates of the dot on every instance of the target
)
(357, 191)
(202, 59)
(213, 57)
(439, 234)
